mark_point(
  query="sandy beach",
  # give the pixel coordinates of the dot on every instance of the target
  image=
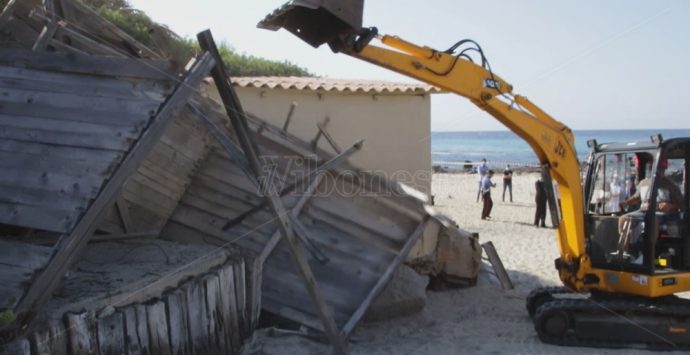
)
(484, 319)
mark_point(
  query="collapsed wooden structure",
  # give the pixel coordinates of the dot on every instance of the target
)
(102, 140)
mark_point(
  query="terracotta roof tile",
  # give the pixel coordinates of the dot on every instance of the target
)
(339, 85)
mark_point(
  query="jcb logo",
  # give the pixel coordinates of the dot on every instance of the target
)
(559, 149)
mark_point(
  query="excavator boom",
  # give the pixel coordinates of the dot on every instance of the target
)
(552, 141)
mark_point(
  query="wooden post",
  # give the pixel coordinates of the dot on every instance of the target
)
(48, 30)
(497, 265)
(251, 151)
(70, 245)
(293, 105)
(329, 138)
(315, 141)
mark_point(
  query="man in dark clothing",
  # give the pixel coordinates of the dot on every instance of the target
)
(540, 199)
(486, 185)
(508, 182)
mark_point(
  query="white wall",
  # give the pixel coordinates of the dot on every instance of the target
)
(395, 127)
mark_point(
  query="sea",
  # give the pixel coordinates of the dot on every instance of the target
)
(454, 150)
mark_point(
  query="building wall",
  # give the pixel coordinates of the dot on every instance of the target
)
(395, 127)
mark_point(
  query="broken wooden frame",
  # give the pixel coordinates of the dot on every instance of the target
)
(250, 148)
(70, 245)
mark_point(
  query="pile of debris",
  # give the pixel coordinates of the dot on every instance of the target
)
(111, 154)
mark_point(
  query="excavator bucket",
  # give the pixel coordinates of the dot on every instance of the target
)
(317, 21)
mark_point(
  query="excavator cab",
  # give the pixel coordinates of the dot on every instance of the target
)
(637, 211)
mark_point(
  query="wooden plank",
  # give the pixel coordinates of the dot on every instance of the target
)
(360, 217)
(196, 313)
(136, 344)
(353, 230)
(59, 221)
(50, 340)
(111, 334)
(76, 114)
(239, 274)
(158, 328)
(70, 245)
(67, 100)
(38, 197)
(88, 64)
(52, 81)
(143, 328)
(210, 224)
(288, 118)
(47, 165)
(96, 156)
(72, 183)
(82, 335)
(86, 140)
(216, 328)
(53, 125)
(178, 323)
(497, 264)
(329, 138)
(254, 283)
(45, 36)
(7, 12)
(383, 280)
(25, 255)
(229, 314)
(122, 237)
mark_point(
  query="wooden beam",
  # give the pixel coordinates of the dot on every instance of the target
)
(497, 264)
(385, 277)
(251, 151)
(315, 141)
(70, 245)
(296, 210)
(291, 111)
(331, 141)
(49, 29)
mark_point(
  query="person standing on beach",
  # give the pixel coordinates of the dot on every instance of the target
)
(540, 199)
(482, 169)
(507, 182)
(486, 194)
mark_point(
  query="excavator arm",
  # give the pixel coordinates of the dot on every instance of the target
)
(321, 21)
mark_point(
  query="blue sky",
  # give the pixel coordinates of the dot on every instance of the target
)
(590, 64)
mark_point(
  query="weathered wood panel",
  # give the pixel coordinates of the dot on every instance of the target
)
(82, 334)
(136, 332)
(51, 340)
(111, 334)
(158, 328)
(178, 324)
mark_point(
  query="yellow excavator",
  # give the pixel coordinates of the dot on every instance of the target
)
(621, 218)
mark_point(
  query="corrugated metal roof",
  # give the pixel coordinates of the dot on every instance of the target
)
(339, 85)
